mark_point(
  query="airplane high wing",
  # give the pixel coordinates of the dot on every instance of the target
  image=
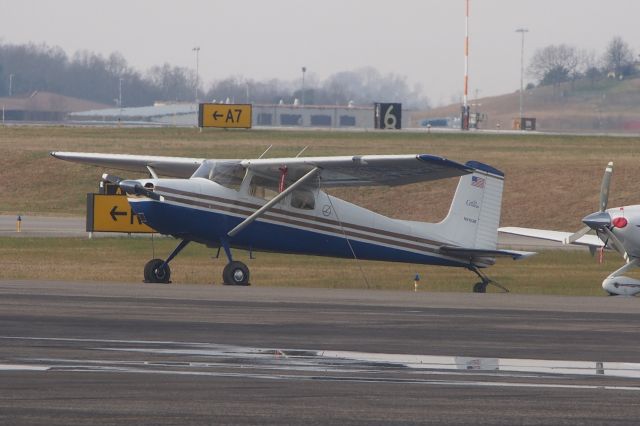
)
(363, 170)
(179, 167)
(279, 205)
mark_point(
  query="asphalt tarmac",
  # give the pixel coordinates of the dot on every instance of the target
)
(112, 353)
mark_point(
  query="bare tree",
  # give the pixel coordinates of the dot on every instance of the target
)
(555, 64)
(173, 83)
(618, 57)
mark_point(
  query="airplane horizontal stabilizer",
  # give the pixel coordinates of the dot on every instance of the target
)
(470, 252)
(560, 236)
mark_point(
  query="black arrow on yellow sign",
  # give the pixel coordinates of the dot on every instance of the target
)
(114, 213)
(217, 115)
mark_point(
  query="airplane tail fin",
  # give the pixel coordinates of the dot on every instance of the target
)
(474, 215)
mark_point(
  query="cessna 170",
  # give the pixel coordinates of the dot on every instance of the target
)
(278, 205)
(617, 228)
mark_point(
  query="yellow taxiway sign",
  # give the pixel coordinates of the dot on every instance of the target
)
(112, 213)
(227, 116)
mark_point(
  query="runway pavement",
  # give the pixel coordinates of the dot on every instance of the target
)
(107, 353)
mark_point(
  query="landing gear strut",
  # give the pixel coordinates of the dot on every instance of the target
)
(158, 270)
(481, 287)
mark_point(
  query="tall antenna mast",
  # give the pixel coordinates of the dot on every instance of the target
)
(465, 100)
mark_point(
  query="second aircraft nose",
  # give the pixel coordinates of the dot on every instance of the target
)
(597, 220)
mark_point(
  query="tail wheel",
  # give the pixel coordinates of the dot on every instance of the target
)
(480, 287)
(154, 272)
(236, 273)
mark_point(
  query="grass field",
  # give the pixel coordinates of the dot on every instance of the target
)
(121, 259)
(551, 182)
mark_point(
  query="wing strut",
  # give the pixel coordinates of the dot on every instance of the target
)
(272, 202)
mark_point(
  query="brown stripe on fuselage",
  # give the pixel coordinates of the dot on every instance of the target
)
(253, 206)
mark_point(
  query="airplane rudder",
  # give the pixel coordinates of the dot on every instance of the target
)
(475, 210)
(492, 182)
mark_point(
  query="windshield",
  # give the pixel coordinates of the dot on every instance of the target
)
(226, 173)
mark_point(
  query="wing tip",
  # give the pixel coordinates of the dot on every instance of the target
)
(484, 167)
(444, 162)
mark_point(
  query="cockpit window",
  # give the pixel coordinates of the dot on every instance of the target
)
(227, 174)
(263, 188)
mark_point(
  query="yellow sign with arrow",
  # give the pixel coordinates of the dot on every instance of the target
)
(227, 116)
(112, 213)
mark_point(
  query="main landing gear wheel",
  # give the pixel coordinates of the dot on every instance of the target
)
(154, 272)
(235, 273)
(480, 287)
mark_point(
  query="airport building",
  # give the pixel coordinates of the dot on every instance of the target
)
(42, 106)
(276, 115)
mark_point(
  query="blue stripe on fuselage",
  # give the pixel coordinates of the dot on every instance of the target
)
(207, 227)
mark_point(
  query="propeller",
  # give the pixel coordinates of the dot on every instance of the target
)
(604, 188)
(616, 243)
(601, 220)
(106, 177)
(133, 187)
(130, 187)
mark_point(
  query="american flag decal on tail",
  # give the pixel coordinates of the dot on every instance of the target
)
(478, 182)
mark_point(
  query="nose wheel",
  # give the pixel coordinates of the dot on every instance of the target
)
(235, 273)
(157, 271)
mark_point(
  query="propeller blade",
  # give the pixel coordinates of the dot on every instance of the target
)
(615, 242)
(111, 178)
(604, 188)
(576, 236)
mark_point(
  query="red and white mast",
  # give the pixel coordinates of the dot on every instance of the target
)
(465, 104)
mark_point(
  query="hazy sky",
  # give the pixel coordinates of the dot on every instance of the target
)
(420, 39)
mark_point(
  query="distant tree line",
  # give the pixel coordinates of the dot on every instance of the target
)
(91, 76)
(555, 64)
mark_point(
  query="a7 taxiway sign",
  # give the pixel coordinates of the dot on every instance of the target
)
(227, 116)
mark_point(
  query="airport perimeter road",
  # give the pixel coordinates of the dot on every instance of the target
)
(42, 226)
(101, 353)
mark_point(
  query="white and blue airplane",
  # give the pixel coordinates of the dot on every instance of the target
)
(278, 205)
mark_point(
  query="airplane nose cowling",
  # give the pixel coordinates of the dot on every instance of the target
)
(133, 187)
(597, 220)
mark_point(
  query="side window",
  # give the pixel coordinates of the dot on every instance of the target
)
(227, 176)
(263, 188)
(303, 199)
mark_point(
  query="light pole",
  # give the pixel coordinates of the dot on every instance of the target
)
(304, 70)
(120, 97)
(522, 31)
(10, 84)
(197, 50)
